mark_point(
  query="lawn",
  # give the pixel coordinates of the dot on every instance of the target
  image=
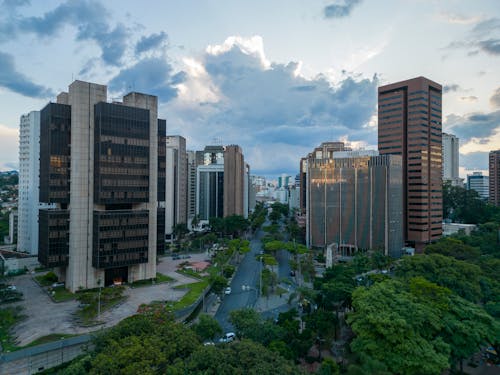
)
(159, 279)
(43, 281)
(190, 273)
(109, 297)
(49, 338)
(9, 317)
(61, 294)
(195, 291)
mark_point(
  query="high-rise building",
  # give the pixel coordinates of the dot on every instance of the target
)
(191, 190)
(235, 182)
(29, 182)
(222, 182)
(409, 124)
(177, 184)
(354, 201)
(99, 170)
(13, 226)
(450, 160)
(162, 170)
(325, 150)
(494, 178)
(481, 184)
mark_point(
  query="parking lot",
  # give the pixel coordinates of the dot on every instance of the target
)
(44, 317)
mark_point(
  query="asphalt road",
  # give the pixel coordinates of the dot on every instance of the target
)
(247, 274)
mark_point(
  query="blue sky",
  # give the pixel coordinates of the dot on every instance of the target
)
(277, 77)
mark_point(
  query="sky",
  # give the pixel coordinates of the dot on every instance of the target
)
(276, 77)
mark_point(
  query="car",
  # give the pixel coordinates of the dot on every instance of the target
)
(11, 287)
(227, 290)
(292, 273)
(176, 257)
(185, 256)
(208, 343)
(228, 337)
(56, 285)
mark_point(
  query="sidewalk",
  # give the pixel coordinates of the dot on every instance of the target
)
(273, 301)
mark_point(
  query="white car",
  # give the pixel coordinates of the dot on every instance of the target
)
(228, 337)
(227, 290)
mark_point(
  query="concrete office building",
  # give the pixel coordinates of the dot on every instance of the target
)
(177, 184)
(13, 227)
(451, 146)
(191, 189)
(29, 182)
(99, 168)
(325, 150)
(409, 125)
(494, 177)
(476, 181)
(354, 201)
(222, 182)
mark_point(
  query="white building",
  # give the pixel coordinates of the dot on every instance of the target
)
(29, 182)
(451, 146)
(176, 188)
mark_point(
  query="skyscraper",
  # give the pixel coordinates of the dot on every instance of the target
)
(354, 200)
(191, 194)
(409, 124)
(235, 182)
(99, 170)
(450, 160)
(177, 183)
(494, 177)
(476, 181)
(29, 182)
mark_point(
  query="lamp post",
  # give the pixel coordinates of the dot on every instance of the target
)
(99, 300)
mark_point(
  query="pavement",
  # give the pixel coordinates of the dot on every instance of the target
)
(44, 317)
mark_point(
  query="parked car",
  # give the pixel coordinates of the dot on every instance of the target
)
(227, 290)
(228, 337)
(55, 285)
(292, 273)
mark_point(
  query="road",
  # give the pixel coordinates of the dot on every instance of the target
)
(248, 273)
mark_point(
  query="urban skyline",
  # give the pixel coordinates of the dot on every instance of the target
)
(302, 93)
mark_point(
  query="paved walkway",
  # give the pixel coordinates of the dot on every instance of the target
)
(44, 317)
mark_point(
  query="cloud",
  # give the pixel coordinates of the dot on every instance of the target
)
(151, 75)
(340, 9)
(470, 98)
(459, 19)
(11, 79)
(453, 87)
(474, 160)
(474, 126)
(255, 102)
(150, 42)
(90, 18)
(484, 37)
(495, 99)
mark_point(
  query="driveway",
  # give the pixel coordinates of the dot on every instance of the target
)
(44, 317)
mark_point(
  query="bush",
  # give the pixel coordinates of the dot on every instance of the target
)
(50, 277)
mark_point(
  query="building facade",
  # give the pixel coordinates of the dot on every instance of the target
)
(29, 182)
(177, 184)
(494, 178)
(191, 189)
(451, 145)
(481, 184)
(409, 125)
(99, 170)
(354, 200)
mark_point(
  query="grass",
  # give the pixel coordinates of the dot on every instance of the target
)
(42, 281)
(195, 291)
(190, 273)
(110, 297)
(159, 279)
(61, 294)
(49, 338)
(9, 317)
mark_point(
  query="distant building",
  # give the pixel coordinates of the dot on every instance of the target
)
(354, 200)
(452, 228)
(451, 146)
(476, 181)
(222, 182)
(176, 192)
(494, 178)
(409, 125)
(99, 170)
(191, 189)
(13, 225)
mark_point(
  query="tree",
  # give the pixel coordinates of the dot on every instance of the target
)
(444, 271)
(207, 327)
(180, 230)
(239, 246)
(453, 247)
